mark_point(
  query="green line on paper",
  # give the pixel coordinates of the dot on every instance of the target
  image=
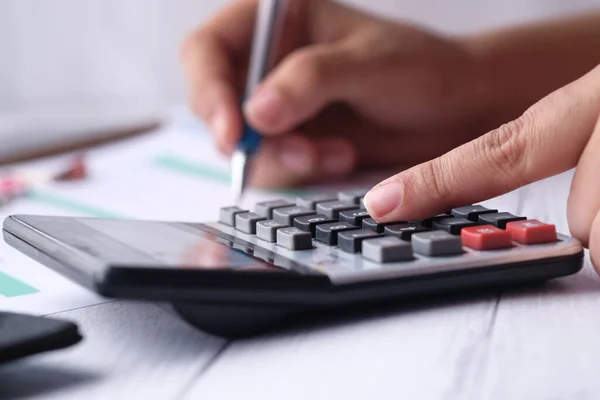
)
(203, 171)
(72, 205)
(11, 287)
(193, 169)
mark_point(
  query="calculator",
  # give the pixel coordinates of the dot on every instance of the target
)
(252, 269)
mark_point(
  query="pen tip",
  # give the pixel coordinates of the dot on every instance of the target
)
(238, 176)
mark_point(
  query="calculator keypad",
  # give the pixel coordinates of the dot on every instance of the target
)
(336, 228)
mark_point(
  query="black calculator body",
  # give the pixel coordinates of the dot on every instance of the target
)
(251, 269)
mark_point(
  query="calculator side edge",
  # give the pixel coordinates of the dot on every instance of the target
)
(35, 245)
(311, 297)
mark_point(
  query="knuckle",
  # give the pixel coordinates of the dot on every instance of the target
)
(190, 43)
(198, 106)
(504, 148)
(311, 67)
(434, 179)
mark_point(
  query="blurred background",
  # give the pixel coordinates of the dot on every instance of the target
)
(120, 57)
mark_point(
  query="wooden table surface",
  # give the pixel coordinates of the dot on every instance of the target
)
(524, 343)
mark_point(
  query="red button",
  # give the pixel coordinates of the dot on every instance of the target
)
(485, 237)
(531, 231)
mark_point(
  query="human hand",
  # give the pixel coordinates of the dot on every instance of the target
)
(559, 133)
(351, 91)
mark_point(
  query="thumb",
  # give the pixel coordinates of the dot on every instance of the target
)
(546, 140)
(304, 83)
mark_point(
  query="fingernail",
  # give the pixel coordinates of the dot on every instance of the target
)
(296, 157)
(384, 199)
(266, 106)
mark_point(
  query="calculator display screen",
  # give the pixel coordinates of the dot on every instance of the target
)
(171, 244)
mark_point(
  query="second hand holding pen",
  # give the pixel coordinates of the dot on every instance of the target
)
(268, 26)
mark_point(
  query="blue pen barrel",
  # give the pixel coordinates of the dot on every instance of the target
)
(250, 141)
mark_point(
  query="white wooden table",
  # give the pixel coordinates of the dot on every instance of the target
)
(533, 343)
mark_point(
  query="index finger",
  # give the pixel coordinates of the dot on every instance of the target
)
(213, 59)
(546, 140)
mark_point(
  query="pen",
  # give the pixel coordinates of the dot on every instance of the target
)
(269, 23)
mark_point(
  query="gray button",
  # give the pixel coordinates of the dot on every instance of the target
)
(436, 243)
(310, 202)
(387, 249)
(333, 208)
(267, 230)
(294, 239)
(266, 207)
(352, 196)
(227, 215)
(246, 222)
(286, 215)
